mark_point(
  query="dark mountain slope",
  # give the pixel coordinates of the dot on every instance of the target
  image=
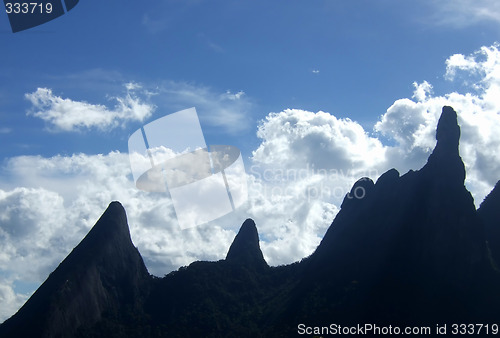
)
(407, 250)
(103, 276)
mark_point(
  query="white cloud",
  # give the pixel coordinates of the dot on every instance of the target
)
(234, 97)
(463, 13)
(83, 186)
(422, 90)
(68, 115)
(10, 300)
(305, 164)
(227, 110)
(294, 138)
(130, 86)
(291, 215)
(459, 62)
(31, 222)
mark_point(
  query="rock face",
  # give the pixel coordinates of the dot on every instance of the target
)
(104, 274)
(406, 250)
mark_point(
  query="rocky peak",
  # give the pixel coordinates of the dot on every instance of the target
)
(445, 161)
(245, 249)
(103, 274)
(359, 191)
(113, 221)
(448, 131)
(110, 236)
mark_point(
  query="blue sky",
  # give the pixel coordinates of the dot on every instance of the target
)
(259, 74)
(367, 53)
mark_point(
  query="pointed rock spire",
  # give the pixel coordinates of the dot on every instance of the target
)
(448, 131)
(445, 161)
(111, 229)
(245, 249)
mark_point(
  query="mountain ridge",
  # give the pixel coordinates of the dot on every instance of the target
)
(406, 250)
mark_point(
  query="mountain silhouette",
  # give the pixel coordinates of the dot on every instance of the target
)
(245, 249)
(407, 250)
(103, 276)
(411, 250)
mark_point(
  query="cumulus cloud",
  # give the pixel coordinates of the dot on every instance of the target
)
(297, 137)
(35, 234)
(412, 124)
(30, 226)
(63, 114)
(305, 164)
(94, 181)
(10, 300)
